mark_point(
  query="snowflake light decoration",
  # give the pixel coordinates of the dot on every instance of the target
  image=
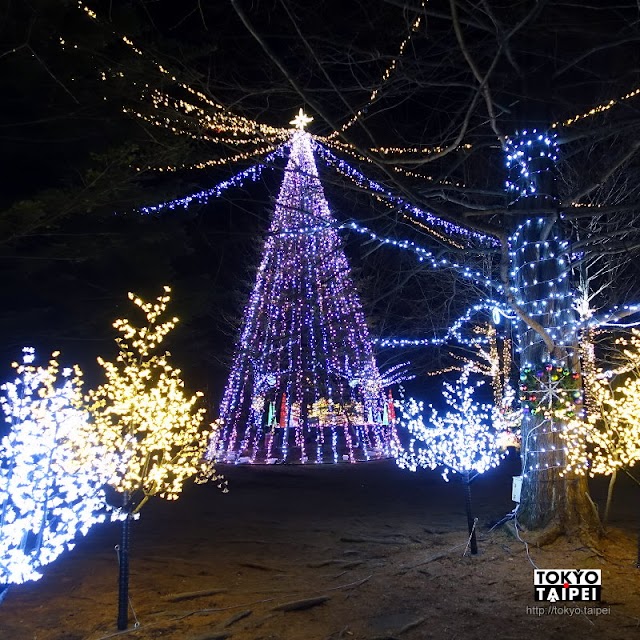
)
(549, 388)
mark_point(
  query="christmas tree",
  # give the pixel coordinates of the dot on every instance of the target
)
(304, 386)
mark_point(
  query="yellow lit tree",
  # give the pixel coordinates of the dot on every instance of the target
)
(607, 440)
(143, 414)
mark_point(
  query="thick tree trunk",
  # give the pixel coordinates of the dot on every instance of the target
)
(539, 290)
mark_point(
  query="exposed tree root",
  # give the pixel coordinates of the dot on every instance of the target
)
(236, 618)
(212, 635)
(260, 567)
(190, 595)
(373, 540)
(545, 536)
(410, 625)
(301, 605)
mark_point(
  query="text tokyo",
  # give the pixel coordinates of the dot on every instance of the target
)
(567, 585)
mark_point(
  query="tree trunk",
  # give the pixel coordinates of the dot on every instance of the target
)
(540, 290)
(470, 520)
(612, 481)
(123, 574)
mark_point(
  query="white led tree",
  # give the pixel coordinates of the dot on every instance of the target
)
(144, 413)
(50, 485)
(492, 357)
(462, 440)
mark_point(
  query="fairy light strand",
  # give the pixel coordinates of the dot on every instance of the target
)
(383, 194)
(252, 173)
(386, 75)
(597, 110)
(351, 150)
(424, 255)
(452, 332)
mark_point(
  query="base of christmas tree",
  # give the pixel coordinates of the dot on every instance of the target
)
(319, 445)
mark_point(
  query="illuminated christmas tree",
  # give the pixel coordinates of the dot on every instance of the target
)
(50, 482)
(304, 386)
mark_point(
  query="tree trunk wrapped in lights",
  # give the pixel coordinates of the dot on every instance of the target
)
(51, 486)
(463, 440)
(304, 353)
(540, 292)
(143, 414)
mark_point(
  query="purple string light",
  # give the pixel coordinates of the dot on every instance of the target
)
(304, 385)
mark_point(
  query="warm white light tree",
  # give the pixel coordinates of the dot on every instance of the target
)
(50, 486)
(143, 413)
(608, 439)
(463, 440)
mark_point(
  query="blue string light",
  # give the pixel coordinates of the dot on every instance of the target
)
(605, 319)
(371, 185)
(453, 331)
(201, 197)
(425, 255)
(529, 155)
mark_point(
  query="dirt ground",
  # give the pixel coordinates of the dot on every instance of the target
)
(379, 549)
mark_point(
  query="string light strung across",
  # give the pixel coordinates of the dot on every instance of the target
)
(252, 173)
(228, 127)
(223, 119)
(243, 156)
(594, 111)
(453, 331)
(424, 255)
(352, 151)
(385, 76)
(450, 228)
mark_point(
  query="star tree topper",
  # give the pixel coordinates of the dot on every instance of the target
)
(301, 120)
